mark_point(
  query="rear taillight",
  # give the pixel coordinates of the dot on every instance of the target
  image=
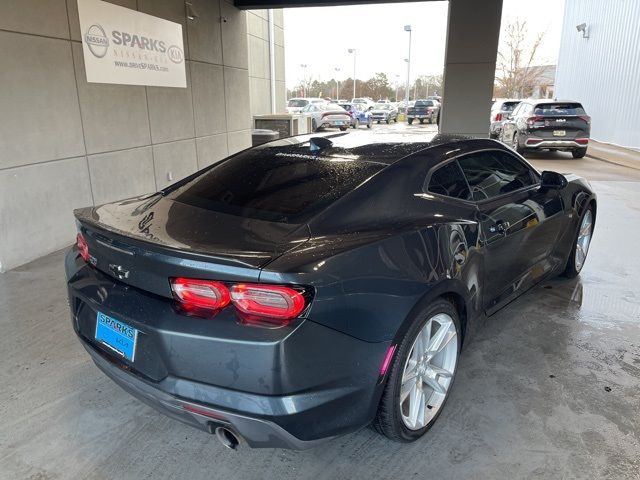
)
(200, 294)
(498, 117)
(83, 247)
(532, 120)
(586, 118)
(256, 304)
(582, 141)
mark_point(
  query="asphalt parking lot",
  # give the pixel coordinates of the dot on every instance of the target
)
(548, 388)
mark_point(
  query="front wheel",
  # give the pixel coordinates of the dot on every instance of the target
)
(580, 245)
(342, 129)
(410, 121)
(387, 121)
(314, 125)
(369, 125)
(421, 374)
(421, 121)
(579, 152)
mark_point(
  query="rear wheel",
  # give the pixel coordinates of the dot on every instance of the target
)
(579, 152)
(581, 245)
(410, 121)
(342, 129)
(369, 124)
(421, 374)
(387, 120)
(515, 144)
(421, 120)
(314, 125)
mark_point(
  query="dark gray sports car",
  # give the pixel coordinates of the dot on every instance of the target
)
(307, 287)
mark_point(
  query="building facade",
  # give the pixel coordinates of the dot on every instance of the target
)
(66, 143)
(601, 66)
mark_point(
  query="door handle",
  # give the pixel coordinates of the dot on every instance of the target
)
(501, 227)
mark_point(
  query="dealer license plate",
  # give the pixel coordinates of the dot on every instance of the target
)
(116, 335)
(559, 133)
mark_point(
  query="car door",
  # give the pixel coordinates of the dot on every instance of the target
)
(508, 126)
(519, 223)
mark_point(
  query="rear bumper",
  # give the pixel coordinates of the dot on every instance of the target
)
(256, 432)
(283, 388)
(553, 143)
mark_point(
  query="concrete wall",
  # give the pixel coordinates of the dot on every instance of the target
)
(259, 65)
(603, 71)
(65, 143)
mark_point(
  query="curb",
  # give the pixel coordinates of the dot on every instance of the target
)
(595, 157)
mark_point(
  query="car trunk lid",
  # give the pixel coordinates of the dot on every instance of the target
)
(145, 241)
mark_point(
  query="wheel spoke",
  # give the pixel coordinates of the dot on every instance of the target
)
(416, 402)
(580, 255)
(441, 372)
(406, 388)
(441, 339)
(435, 385)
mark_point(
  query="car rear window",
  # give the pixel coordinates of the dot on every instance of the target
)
(426, 103)
(297, 103)
(559, 109)
(509, 106)
(288, 186)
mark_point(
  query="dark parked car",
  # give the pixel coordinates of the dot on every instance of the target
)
(306, 287)
(548, 124)
(422, 110)
(501, 110)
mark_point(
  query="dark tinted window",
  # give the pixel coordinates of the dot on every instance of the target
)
(297, 103)
(424, 103)
(495, 173)
(509, 106)
(559, 109)
(448, 180)
(274, 185)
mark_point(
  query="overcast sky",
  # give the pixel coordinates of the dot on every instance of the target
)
(320, 37)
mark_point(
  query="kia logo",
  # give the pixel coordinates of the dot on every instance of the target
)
(175, 54)
(97, 40)
(119, 272)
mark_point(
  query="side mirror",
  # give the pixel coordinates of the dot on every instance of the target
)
(553, 181)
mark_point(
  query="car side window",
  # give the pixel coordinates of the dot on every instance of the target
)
(517, 110)
(448, 180)
(493, 173)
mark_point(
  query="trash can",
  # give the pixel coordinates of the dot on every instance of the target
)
(260, 136)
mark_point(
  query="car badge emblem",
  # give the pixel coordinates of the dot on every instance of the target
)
(119, 272)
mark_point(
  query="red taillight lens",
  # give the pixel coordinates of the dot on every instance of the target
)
(532, 120)
(200, 294)
(272, 304)
(586, 118)
(582, 141)
(498, 117)
(83, 247)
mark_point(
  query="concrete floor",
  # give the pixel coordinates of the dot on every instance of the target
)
(549, 388)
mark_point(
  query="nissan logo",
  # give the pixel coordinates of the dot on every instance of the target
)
(96, 40)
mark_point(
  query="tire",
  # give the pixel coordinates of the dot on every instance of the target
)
(369, 125)
(574, 265)
(378, 122)
(421, 121)
(356, 124)
(314, 125)
(410, 121)
(579, 152)
(342, 129)
(515, 144)
(390, 420)
(387, 121)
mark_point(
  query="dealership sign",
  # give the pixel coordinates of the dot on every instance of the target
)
(128, 47)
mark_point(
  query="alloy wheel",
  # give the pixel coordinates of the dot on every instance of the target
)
(428, 371)
(584, 240)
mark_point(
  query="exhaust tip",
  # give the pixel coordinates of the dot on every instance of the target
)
(227, 438)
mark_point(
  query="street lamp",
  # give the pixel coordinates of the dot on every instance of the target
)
(337, 84)
(304, 79)
(353, 50)
(397, 86)
(407, 28)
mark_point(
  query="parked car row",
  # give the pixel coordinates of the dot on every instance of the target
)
(541, 124)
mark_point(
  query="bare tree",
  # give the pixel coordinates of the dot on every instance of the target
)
(516, 74)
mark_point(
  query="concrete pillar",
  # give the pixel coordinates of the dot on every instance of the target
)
(470, 64)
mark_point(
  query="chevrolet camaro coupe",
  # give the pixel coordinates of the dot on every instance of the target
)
(307, 287)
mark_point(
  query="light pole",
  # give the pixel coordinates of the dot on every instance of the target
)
(337, 84)
(304, 79)
(407, 28)
(353, 50)
(397, 86)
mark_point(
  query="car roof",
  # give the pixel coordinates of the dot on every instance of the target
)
(378, 147)
(539, 101)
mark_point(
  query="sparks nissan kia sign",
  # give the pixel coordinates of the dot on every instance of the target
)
(129, 47)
